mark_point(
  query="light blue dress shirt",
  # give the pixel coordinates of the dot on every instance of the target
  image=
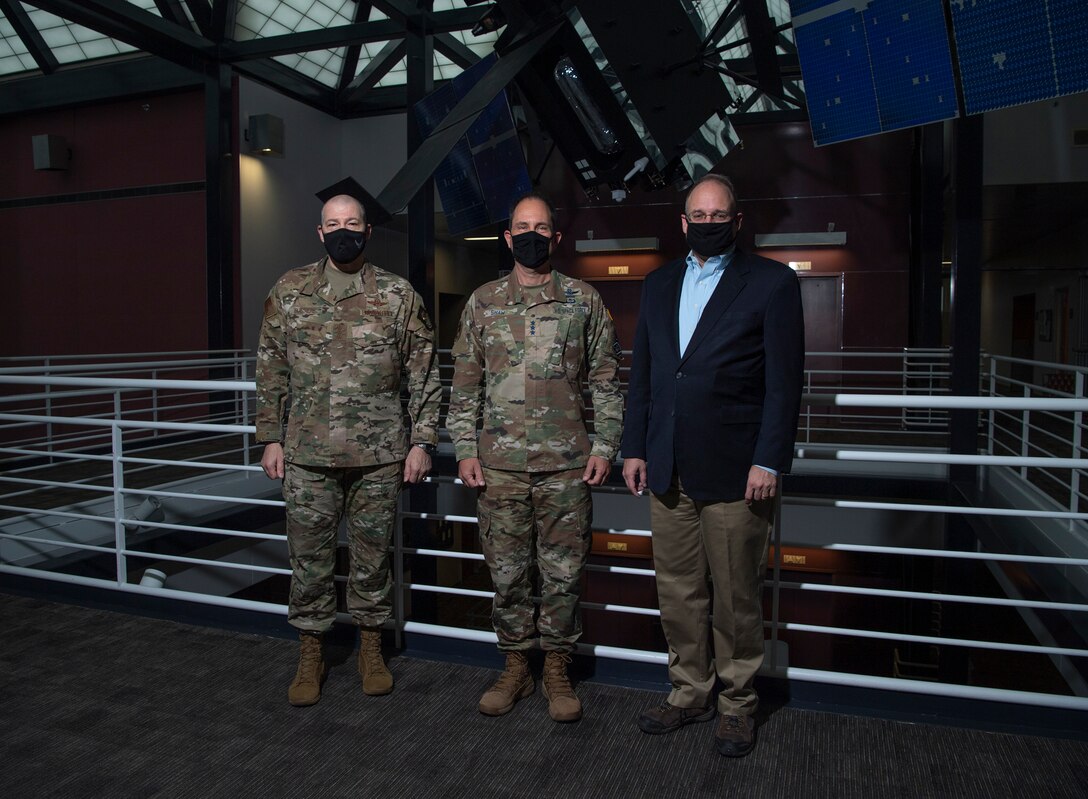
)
(699, 284)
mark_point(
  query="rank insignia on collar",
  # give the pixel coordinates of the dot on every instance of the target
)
(570, 293)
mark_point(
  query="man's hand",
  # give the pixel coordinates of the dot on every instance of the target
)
(471, 472)
(597, 469)
(417, 465)
(272, 460)
(761, 485)
(634, 474)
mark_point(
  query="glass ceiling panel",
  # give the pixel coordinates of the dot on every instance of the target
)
(259, 19)
(69, 43)
(397, 76)
(13, 53)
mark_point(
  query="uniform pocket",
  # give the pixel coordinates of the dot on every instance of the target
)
(377, 357)
(559, 355)
(483, 519)
(301, 484)
(307, 343)
(501, 345)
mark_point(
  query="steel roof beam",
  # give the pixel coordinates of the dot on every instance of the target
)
(377, 69)
(455, 50)
(319, 39)
(224, 14)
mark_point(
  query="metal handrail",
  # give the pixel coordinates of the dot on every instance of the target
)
(900, 402)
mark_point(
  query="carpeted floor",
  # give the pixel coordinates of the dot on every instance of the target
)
(101, 704)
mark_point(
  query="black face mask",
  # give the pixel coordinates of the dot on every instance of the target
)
(531, 249)
(711, 238)
(344, 245)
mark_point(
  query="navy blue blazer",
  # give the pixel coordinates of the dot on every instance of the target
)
(732, 400)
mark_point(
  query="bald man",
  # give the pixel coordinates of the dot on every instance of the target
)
(338, 339)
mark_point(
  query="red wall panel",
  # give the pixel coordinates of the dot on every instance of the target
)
(90, 274)
(114, 145)
(785, 185)
(122, 275)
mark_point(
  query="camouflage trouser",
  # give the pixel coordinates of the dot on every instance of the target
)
(541, 513)
(317, 497)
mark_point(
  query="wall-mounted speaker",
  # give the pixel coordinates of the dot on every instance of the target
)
(51, 153)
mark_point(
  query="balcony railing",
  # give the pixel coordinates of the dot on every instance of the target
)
(102, 467)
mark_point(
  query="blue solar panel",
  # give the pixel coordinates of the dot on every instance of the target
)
(871, 67)
(1011, 52)
(1069, 27)
(485, 172)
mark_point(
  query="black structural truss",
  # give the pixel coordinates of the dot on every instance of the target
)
(192, 36)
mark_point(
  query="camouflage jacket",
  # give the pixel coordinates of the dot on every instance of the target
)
(340, 362)
(522, 360)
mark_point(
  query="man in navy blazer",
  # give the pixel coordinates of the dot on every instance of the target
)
(715, 390)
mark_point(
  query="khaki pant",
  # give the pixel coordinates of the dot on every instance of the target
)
(317, 497)
(726, 541)
(541, 520)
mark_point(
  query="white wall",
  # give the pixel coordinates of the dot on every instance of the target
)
(1033, 143)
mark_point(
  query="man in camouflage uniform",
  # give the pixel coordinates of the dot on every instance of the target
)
(525, 344)
(336, 337)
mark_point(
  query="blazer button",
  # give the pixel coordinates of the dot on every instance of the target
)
(679, 375)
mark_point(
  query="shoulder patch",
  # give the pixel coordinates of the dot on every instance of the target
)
(424, 317)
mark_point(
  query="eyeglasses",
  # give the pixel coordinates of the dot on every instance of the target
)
(699, 217)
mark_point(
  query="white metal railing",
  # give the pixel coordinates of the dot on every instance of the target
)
(1052, 430)
(154, 401)
(897, 372)
(38, 538)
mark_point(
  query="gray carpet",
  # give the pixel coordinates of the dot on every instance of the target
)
(101, 704)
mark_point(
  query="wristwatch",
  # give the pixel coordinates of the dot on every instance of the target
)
(428, 448)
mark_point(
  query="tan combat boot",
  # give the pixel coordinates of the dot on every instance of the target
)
(515, 683)
(563, 705)
(377, 679)
(306, 688)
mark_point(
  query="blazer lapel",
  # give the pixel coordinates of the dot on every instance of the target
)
(672, 296)
(731, 284)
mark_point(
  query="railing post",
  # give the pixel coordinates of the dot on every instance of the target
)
(48, 412)
(903, 379)
(808, 408)
(1024, 432)
(1078, 420)
(116, 452)
(993, 393)
(155, 403)
(241, 405)
(398, 572)
(776, 534)
(237, 396)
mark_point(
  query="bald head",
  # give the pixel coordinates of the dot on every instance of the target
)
(343, 207)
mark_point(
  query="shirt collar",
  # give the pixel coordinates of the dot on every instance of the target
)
(716, 263)
(516, 295)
